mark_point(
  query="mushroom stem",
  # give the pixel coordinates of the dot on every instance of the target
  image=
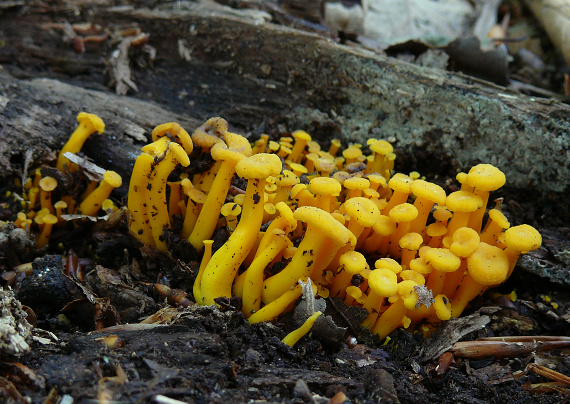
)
(294, 336)
(139, 223)
(253, 283)
(205, 260)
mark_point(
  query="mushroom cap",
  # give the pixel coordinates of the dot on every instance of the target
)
(92, 120)
(48, 184)
(50, 219)
(523, 238)
(325, 222)
(325, 186)
(180, 154)
(175, 130)
(363, 210)
(404, 212)
(383, 282)
(411, 241)
(230, 208)
(463, 201)
(388, 263)
(485, 177)
(429, 191)
(442, 259)
(488, 265)
(238, 143)
(60, 205)
(325, 165)
(298, 167)
(210, 132)
(410, 274)
(376, 178)
(351, 152)
(358, 183)
(113, 179)
(353, 262)
(221, 152)
(302, 135)
(259, 166)
(381, 147)
(384, 226)
(419, 265)
(442, 307)
(406, 290)
(465, 240)
(287, 179)
(436, 230)
(498, 217)
(442, 214)
(401, 183)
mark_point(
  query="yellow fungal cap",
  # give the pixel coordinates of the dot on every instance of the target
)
(485, 177)
(488, 265)
(113, 179)
(429, 191)
(404, 212)
(442, 259)
(353, 262)
(411, 241)
(401, 183)
(92, 120)
(384, 226)
(463, 201)
(498, 217)
(465, 240)
(436, 229)
(383, 282)
(442, 307)
(48, 184)
(363, 210)
(523, 238)
(381, 147)
(324, 186)
(388, 263)
(259, 166)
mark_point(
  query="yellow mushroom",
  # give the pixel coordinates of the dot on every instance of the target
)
(484, 178)
(156, 191)
(383, 282)
(462, 204)
(224, 264)
(326, 190)
(47, 185)
(488, 265)
(321, 229)
(392, 318)
(48, 221)
(294, 336)
(253, 282)
(88, 124)
(234, 149)
(92, 203)
(301, 140)
(427, 194)
(520, 239)
(496, 223)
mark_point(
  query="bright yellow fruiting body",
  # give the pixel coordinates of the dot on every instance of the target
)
(88, 124)
(351, 208)
(93, 202)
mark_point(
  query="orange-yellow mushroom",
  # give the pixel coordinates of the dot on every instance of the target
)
(401, 184)
(88, 124)
(443, 262)
(496, 223)
(47, 185)
(223, 266)
(484, 178)
(427, 194)
(383, 282)
(234, 149)
(392, 318)
(92, 204)
(294, 336)
(301, 140)
(410, 243)
(49, 221)
(156, 191)
(403, 215)
(349, 264)
(325, 189)
(253, 282)
(520, 239)
(321, 229)
(462, 204)
(176, 132)
(488, 265)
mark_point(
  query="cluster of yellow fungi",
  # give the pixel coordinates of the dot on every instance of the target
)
(342, 219)
(40, 214)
